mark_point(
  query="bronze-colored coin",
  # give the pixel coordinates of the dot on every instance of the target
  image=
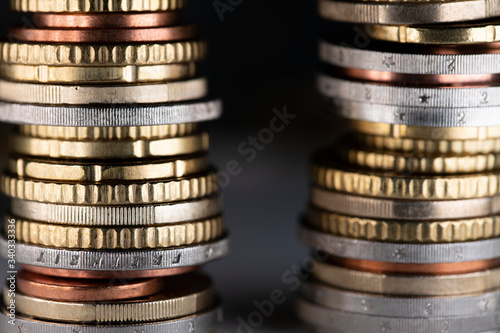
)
(77, 290)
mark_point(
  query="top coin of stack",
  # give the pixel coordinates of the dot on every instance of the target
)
(108, 171)
(406, 204)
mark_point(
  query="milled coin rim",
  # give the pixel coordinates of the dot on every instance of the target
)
(119, 215)
(406, 307)
(404, 253)
(41, 6)
(111, 115)
(400, 96)
(153, 308)
(138, 260)
(399, 12)
(329, 319)
(408, 63)
(205, 322)
(391, 208)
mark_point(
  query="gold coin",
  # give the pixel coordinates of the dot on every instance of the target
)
(109, 149)
(390, 185)
(404, 231)
(58, 6)
(414, 285)
(425, 133)
(463, 33)
(50, 94)
(55, 170)
(108, 133)
(102, 55)
(110, 194)
(429, 147)
(183, 295)
(409, 163)
(97, 75)
(117, 238)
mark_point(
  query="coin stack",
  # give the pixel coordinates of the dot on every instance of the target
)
(404, 210)
(114, 203)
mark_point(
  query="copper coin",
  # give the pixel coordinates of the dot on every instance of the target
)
(122, 35)
(379, 267)
(79, 274)
(108, 20)
(427, 80)
(80, 290)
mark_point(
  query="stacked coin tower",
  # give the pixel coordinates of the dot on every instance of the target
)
(404, 211)
(114, 202)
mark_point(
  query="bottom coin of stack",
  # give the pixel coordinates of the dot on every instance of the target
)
(411, 244)
(183, 303)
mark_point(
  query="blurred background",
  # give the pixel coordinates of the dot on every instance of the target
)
(262, 56)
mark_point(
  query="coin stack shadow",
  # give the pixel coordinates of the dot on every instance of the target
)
(114, 202)
(404, 209)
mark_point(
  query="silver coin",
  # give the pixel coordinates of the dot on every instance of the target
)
(400, 12)
(202, 323)
(350, 57)
(110, 115)
(383, 208)
(309, 328)
(130, 215)
(130, 260)
(424, 98)
(407, 307)
(414, 116)
(349, 322)
(404, 253)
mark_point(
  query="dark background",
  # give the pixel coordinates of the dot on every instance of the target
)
(261, 56)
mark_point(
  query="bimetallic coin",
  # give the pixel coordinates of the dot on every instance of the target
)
(407, 12)
(118, 261)
(330, 320)
(405, 307)
(417, 210)
(389, 59)
(409, 97)
(180, 296)
(204, 322)
(402, 253)
(110, 115)
(118, 215)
